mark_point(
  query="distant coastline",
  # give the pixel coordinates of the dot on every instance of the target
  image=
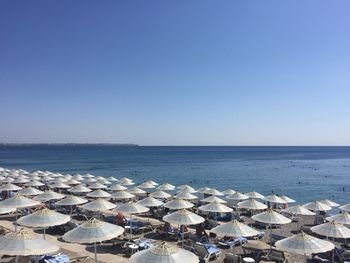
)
(68, 144)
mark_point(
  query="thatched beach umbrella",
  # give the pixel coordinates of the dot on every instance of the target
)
(229, 192)
(93, 231)
(255, 195)
(117, 187)
(120, 195)
(215, 207)
(186, 195)
(164, 253)
(24, 243)
(73, 182)
(342, 218)
(345, 208)
(10, 187)
(274, 199)
(71, 200)
(329, 203)
(30, 191)
(99, 205)
(99, 194)
(131, 208)
(237, 196)
(146, 185)
(317, 206)
(252, 204)
(212, 199)
(298, 210)
(186, 187)
(234, 229)
(287, 199)
(203, 189)
(213, 191)
(183, 217)
(303, 244)
(150, 202)
(126, 182)
(34, 183)
(271, 217)
(49, 195)
(177, 204)
(332, 229)
(19, 202)
(166, 187)
(160, 194)
(59, 185)
(43, 218)
(136, 191)
(97, 185)
(79, 189)
(6, 210)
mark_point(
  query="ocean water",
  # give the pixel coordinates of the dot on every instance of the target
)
(304, 173)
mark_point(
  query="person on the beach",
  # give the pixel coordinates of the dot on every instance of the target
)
(200, 232)
(121, 220)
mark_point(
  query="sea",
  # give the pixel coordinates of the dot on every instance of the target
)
(303, 173)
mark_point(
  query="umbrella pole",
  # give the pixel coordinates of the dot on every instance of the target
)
(44, 233)
(71, 210)
(16, 220)
(95, 250)
(16, 259)
(333, 252)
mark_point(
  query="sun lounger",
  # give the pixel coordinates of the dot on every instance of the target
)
(233, 243)
(60, 258)
(145, 243)
(275, 255)
(207, 251)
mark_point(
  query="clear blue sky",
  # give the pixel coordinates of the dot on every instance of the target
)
(179, 72)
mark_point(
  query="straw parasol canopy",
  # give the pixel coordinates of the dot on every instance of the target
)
(255, 195)
(136, 191)
(237, 196)
(329, 203)
(252, 204)
(212, 199)
(342, 218)
(298, 210)
(160, 194)
(177, 204)
(19, 201)
(30, 191)
(79, 189)
(112, 179)
(43, 218)
(272, 218)
(274, 199)
(287, 199)
(215, 207)
(73, 182)
(6, 210)
(98, 205)
(71, 200)
(117, 187)
(126, 182)
(119, 195)
(49, 195)
(234, 229)
(345, 208)
(213, 191)
(97, 185)
(99, 194)
(186, 195)
(304, 244)
(150, 202)
(93, 231)
(229, 192)
(146, 185)
(10, 187)
(34, 183)
(183, 217)
(203, 189)
(152, 182)
(164, 253)
(187, 188)
(317, 206)
(332, 229)
(59, 185)
(131, 208)
(25, 243)
(166, 187)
